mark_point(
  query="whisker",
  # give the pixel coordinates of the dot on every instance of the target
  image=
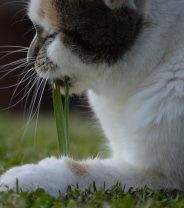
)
(14, 63)
(8, 52)
(6, 68)
(19, 100)
(37, 111)
(18, 21)
(13, 46)
(37, 79)
(12, 52)
(14, 95)
(21, 3)
(14, 69)
(20, 11)
(35, 95)
(12, 86)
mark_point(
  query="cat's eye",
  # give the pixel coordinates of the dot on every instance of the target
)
(41, 34)
(39, 30)
(52, 35)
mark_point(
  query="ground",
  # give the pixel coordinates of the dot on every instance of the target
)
(18, 146)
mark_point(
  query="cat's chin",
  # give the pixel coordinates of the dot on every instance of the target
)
(74, 87)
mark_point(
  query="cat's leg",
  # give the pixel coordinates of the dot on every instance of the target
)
(55, 175)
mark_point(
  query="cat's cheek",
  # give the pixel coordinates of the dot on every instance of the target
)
(67, 65)
(61, 57)
(82, 76)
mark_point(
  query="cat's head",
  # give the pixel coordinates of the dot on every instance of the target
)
(93, 31)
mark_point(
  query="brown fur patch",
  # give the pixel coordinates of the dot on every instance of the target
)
(49, 13)
(78, 169)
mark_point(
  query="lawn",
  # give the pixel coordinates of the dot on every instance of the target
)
(19, 146)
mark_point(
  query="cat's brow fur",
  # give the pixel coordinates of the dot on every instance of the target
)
(48, 11)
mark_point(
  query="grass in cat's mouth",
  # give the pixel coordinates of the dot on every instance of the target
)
(61, 112)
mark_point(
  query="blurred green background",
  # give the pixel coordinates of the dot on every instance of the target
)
(22, 143)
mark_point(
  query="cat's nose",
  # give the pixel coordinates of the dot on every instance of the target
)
(34, 49)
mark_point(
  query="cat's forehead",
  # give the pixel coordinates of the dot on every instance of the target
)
(47, 12)
(44, 13)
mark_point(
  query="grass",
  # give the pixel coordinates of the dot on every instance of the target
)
(61, 112)
(85, 140)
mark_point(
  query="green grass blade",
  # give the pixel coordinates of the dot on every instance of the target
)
(66, 114)
(61, 117)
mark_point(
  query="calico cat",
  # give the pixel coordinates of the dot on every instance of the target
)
(129, 57)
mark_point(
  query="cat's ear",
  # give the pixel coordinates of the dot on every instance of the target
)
(115, 4)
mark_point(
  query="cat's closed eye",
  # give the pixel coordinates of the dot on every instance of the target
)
(38, 41)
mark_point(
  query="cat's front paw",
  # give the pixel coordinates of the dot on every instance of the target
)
(18, 177)
(25, 178)
(50, 174)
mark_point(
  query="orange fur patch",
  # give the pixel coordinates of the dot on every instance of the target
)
(78, 169)
(49, 13)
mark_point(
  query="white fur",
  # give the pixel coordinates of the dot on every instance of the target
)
(33, 12)
(139, 103)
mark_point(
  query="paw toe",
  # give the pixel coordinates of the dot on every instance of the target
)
(17, 177)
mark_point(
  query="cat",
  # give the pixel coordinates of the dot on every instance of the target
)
(129, 57)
